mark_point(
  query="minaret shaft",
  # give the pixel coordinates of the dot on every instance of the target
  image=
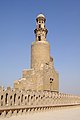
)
(40, 49)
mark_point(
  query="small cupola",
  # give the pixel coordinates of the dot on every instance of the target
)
(40, 21)
(40, 31)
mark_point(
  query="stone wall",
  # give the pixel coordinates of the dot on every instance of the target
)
(40, 54)
(13, 101)
(39, 79)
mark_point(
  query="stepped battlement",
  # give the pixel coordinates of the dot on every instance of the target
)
(12, 100)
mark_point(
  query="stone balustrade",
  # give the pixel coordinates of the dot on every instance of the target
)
(15, 101)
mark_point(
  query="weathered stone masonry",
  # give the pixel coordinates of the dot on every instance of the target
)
(16, 102)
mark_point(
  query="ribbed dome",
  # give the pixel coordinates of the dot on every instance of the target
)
(40, 15)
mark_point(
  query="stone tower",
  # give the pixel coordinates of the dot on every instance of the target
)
(40, 49)
(42, 75)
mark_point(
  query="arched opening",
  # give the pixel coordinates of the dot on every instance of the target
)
(39, 38)
(51, 82)
(1, 97)
(6, 98)
(14, 98)
(22, 98)
(1, 100)
(11, 100)
(28, 98)
(39, 25)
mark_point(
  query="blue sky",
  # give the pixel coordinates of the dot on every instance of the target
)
(17, 24)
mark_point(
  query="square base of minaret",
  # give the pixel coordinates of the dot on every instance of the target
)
(44, 78)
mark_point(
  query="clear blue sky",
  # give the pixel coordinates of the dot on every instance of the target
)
(17, 23)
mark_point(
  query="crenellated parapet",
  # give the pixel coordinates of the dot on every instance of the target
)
(12, 100)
